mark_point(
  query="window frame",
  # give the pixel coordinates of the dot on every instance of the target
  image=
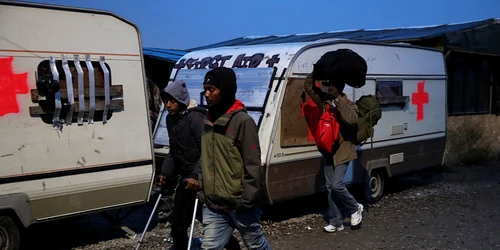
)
(199, 99)
(43, 70)
(400, 100)
(282, 142)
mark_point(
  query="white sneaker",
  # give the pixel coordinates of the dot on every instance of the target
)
(332, 228)
(357, 216)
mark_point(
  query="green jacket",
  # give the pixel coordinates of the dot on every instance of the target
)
(345, 150)
(231, 174)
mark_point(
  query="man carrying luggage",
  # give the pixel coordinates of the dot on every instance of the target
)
(185, 126)
(329, 97)
(230, 177)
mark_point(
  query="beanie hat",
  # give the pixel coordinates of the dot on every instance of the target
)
(224, 79)
(178, 91)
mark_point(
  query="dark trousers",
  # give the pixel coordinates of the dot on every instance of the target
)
(182, 215)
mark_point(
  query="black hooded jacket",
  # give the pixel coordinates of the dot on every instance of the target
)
(184, 131)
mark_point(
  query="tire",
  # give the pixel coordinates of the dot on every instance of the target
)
(10, 236)
(374, 186)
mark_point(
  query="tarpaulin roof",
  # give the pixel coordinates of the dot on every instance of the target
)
(170, 55)
(408, 34)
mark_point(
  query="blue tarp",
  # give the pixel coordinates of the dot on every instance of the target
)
(169, 55)
(384, 35)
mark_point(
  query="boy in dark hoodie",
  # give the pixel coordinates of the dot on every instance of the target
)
(231, 174)
(185, 126)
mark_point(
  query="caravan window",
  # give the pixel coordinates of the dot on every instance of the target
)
(253, 89)
(389, 88)
(44, 107)
(390, 92)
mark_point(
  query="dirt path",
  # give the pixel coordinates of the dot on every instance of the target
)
(458, 212)
(423, 211)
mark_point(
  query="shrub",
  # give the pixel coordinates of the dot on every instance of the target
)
(467, 145)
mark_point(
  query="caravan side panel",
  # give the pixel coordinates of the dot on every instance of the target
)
(72, 169)
(410, 135)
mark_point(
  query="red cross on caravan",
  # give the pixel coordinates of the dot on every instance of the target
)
(419, 99)
(10, 85)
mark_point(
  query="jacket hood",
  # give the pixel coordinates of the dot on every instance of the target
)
(179, 92)
(238, 105)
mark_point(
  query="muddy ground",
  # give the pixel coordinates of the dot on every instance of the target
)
(428, 210)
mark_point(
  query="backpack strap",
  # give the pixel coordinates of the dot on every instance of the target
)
(371, 137)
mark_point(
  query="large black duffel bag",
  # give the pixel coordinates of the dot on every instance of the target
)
(342, 65)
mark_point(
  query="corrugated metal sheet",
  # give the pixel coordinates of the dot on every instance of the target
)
(169, 55)
(383, 35)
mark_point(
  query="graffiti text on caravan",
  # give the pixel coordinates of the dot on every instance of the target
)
(11, 85)
(240, 61)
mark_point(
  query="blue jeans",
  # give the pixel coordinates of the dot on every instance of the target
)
(218, 227)
(338, 194)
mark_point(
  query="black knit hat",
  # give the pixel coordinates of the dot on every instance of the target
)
(223, 79)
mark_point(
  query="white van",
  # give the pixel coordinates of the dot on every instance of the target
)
(87, 146)
(409, 82)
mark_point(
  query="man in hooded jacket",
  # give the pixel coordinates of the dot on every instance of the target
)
(185, 126)
(231, 174)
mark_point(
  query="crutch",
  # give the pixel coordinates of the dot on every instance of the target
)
(151, 216)
(192, 223)
(149, 221)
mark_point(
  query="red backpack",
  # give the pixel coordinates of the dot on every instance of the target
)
(328, 129)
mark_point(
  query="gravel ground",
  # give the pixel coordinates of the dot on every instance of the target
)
(429, 210)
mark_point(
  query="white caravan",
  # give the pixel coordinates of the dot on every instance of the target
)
(409, 82)
(85, 146)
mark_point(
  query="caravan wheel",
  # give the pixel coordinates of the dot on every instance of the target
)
(376, 185)
(10, 237)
